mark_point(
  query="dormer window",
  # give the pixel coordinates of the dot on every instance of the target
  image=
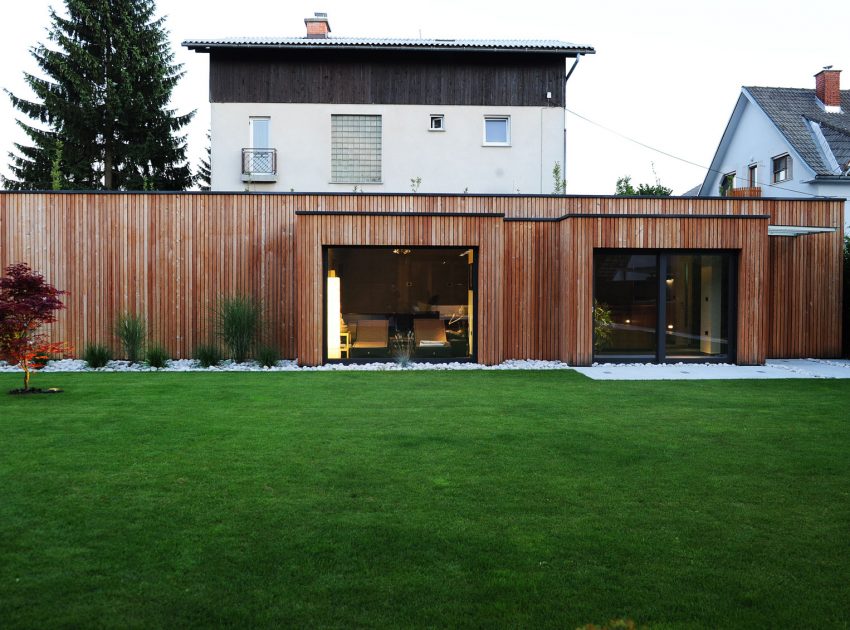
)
(781, 168)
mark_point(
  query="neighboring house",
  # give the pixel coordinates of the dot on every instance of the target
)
(335, 114)
(786, 142)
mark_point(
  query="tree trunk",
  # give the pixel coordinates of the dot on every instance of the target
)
(108, 166)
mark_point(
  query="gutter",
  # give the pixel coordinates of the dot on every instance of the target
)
(566, 79)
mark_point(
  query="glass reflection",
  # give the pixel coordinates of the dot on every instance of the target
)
(627, 286)
(696, 289)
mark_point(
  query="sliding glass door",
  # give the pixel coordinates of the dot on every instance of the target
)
(664, 306)
(696, 290)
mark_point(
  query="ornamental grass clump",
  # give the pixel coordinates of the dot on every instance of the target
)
(97, 355)
(268, 356)
(131, 331)
(157, 357)
(207, 355)
(237, 324)
(401, 347)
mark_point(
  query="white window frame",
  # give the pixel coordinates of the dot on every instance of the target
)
(251, 121)
(341, 177)
(789, 165)
(433, 119)
(507, 120)
(249, 174)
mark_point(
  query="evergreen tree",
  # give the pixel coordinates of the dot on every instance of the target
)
(203, 177)
(102, 107)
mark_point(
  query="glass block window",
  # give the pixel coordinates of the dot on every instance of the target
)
(355, 149)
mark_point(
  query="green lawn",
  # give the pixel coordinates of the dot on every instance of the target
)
(481, 499)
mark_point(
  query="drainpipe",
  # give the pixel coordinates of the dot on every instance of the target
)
(567, 78)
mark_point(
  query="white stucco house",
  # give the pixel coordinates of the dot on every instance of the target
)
(786, 142)
(321, 113)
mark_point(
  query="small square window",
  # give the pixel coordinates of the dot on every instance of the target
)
(497, 131)
(438, 122)
(781, 168)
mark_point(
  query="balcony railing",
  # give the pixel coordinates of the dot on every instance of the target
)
(259, 165)
(750, 191)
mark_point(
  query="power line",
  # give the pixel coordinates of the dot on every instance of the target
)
(708, 169)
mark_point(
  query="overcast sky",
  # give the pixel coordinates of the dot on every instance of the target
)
(667, 72)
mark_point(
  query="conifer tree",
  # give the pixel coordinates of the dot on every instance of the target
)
(203, 174)
(101, 118)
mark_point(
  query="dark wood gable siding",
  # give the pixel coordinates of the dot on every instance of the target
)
(398, 79)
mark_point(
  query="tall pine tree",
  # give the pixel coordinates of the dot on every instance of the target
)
(203, 174)
(100, 120)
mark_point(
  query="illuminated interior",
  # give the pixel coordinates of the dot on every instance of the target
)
(392, 302)
(664, 306)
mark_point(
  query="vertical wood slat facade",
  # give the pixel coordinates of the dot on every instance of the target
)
(168, 257)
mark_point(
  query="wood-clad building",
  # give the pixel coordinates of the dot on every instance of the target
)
(462, 277)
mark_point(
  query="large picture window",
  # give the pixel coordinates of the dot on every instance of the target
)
(387, 302)
(664, 306)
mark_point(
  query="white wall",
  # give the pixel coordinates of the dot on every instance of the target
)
(756, 140)
(448, 161)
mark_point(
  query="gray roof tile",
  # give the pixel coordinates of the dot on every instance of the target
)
(527, 45)
(791, 108)
(839, 142)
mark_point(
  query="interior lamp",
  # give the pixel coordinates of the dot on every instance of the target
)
(334, 315)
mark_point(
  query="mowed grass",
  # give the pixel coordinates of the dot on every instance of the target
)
(482, 499)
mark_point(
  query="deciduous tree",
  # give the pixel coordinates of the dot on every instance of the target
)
(27, 303)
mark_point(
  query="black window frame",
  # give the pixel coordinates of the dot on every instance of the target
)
(787, 170)
(476, 320)
(662, 261)
(727, 183)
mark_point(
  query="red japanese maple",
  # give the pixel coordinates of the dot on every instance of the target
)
(27, 303)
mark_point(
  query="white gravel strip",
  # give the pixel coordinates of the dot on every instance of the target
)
(774, 368)
(191, 365)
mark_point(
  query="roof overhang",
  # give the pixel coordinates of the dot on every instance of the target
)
(430, 46)
(797, 230)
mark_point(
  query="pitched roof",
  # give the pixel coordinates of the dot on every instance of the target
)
(791, 109)
(494, 45)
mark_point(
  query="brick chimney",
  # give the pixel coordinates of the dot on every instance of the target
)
(318, 26)
(828, 88)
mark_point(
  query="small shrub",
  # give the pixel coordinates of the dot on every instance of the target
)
(603, 325)
(157, 356)
(208, 355)
(97, 355)
(237, 322)
(267, 356)
(131, 330)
